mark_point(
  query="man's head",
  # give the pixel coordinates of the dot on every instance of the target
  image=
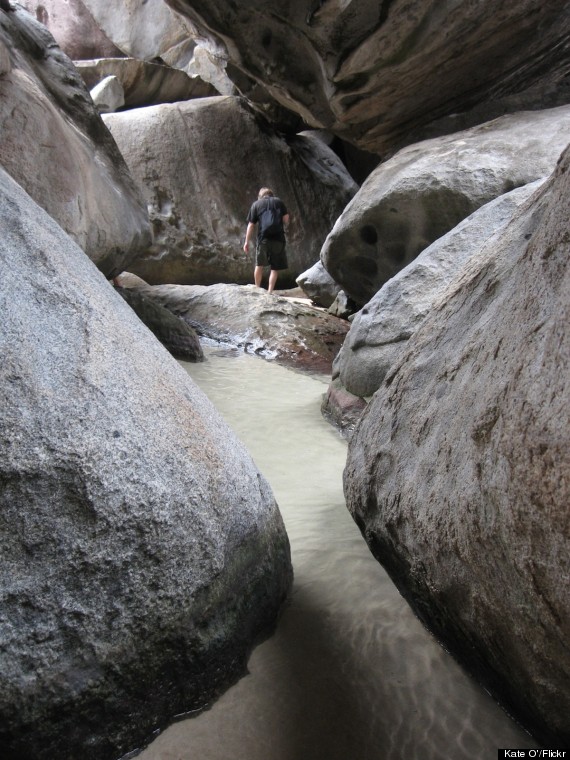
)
(265, 192)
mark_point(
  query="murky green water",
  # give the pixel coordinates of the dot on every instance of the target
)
(350, 673)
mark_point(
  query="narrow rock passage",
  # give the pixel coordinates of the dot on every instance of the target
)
(350, 673)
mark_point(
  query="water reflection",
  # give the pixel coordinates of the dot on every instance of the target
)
(350, 673)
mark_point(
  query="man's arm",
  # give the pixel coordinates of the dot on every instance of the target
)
(248, 236)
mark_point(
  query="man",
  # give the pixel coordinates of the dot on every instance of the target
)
(270, 215)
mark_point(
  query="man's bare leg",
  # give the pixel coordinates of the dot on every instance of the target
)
(272, 280)
(258, 276)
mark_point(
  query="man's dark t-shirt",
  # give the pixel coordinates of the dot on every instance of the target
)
(258, 207)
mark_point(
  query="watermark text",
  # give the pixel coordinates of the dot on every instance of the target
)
(535, 754)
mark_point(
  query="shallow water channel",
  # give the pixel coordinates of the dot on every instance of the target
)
(350, 673)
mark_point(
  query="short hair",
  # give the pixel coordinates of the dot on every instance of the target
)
(265, 192)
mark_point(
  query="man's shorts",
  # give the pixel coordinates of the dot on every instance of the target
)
(271, 253)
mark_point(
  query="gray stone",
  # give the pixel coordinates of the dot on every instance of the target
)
(175, 335)
(5, 63)
(145, 30)
(54, 143)
(108, 95)
(426, 189)
(343, 306)
(143, 554)
(145, 83)
(200, 165)
(458, 472)
(273, 327)
(207, 63)
(341, 408)
(317, 283)
(73, 27)
(380, 331)
(376, 73)
(152, 32)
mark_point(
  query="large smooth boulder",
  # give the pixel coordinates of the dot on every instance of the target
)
(200, 165)
(380, 331)
(458, 473)
(426, 189)
(144, 83)
(273, 327)
(143, 553)
(377, 73)
(74, 28)
(54, 143)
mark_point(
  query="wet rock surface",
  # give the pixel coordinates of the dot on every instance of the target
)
(341, 408)
(273, 327)
(457, 473)
(143, 553)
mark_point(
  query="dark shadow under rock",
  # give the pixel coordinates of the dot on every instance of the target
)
(175, 335)
(341, 408)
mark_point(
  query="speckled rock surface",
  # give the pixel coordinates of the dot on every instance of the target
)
(427, 189)
(143, 553)
(458, 472)
(380, 331)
